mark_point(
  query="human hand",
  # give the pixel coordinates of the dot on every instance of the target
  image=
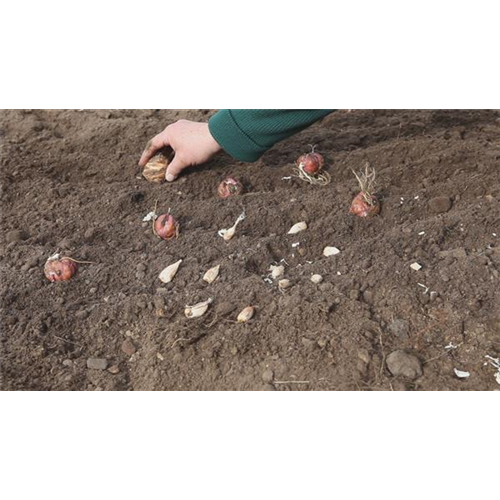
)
(192, 143)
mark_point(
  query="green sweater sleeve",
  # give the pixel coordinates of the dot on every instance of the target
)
(246, 134)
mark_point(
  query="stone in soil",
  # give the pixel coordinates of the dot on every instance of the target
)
(456, 253)
(128, 347)
(97, 363)
(159, 302)
(440, 204)
(268, 376)
(364, 356)
(403, 364)
(400, 328)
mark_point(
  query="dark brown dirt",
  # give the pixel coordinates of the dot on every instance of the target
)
(69, 181)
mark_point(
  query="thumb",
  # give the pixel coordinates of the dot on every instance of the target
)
(175, 168)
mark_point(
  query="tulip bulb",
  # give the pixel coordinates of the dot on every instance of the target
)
(156, 168)
(59, 268)
(311, 163)
(166, 227)
(229, 187)
(365, 204)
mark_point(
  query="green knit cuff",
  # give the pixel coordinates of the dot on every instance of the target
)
(233, 139)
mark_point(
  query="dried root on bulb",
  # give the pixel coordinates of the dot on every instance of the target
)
(366, 204)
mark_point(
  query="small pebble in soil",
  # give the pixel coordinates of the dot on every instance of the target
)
(403, 364)
(325, 287)
(268, 376)
(364, 356)
(97, 363)
(456, 253)
(400, 328)
(424, 299)
(81, 314)
(114, 369)
(368, 297)
(159, 302)
(316, 278)
(322, 343)
(440, 204)
(89, 233)
(128, 347)
(308, 343)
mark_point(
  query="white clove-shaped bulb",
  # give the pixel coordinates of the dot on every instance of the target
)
(329, 251)
(297, 228)
(246, 314)
(227, 234)
(197, 310)
(168, 274)
(211, 275)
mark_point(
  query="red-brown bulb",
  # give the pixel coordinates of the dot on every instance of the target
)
(229, 187)
(166, 227)
(365, 206)
(60, 269)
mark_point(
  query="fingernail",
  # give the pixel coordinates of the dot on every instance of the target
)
(170, 178)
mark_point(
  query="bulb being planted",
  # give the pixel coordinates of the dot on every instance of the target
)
(229, 187)
(156, 168)
(366, 203)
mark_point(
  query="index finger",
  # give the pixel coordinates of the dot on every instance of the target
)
(156, 143)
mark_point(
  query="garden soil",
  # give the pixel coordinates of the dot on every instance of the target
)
(70, 183)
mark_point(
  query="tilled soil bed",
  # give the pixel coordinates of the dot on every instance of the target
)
(70, 182)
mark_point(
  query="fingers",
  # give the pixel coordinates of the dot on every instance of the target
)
(158, 142)
(175, 168)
